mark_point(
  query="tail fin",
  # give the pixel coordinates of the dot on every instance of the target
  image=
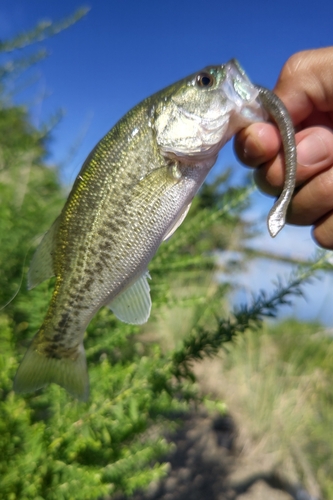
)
(36, 370)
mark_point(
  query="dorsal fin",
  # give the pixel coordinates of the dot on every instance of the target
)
(41, 267)
(134, 304)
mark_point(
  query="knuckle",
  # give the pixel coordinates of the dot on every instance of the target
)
(325, 186)
(322, 232)
(297, 63)
(322, 237)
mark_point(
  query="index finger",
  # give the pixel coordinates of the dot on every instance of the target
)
(306, 83)
(257, 144)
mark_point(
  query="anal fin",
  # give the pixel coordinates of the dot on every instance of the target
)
(134, 304)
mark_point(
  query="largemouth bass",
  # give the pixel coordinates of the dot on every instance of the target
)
(132, 193)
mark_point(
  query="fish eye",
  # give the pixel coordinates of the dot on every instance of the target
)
(205, 79)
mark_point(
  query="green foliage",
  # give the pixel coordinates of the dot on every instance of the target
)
(30, 196)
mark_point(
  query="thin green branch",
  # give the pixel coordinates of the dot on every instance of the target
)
(254, 253)
(11, 68)
(203, 342)
(43, 30)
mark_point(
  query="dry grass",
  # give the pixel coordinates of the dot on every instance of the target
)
(284, 412)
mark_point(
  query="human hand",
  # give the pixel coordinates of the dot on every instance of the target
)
(305, 85)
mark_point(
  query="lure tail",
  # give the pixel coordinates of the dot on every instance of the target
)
(279, 114)
(37, 370)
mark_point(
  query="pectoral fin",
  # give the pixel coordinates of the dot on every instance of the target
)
(133, 306)
(178, 222)
(41, 267)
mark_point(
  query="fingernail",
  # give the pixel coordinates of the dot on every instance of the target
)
(248, 147)
(311, 151)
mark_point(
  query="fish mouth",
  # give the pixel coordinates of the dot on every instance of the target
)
(239, 90)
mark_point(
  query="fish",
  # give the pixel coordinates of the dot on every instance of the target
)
(133, 191)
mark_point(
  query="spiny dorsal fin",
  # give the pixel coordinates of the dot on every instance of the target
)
(178, 222)
(41, 267)
(134, 304)
(37, 370)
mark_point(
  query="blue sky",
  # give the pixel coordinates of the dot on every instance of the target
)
(123, 51)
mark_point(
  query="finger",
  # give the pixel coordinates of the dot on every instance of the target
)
(314, 151)
(305, 83)
(257, 143)
(318, 118)
(322, 232)
(313, 201)
(314, 155)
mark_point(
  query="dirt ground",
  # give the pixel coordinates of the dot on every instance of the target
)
(212, 459)
(206, 464)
